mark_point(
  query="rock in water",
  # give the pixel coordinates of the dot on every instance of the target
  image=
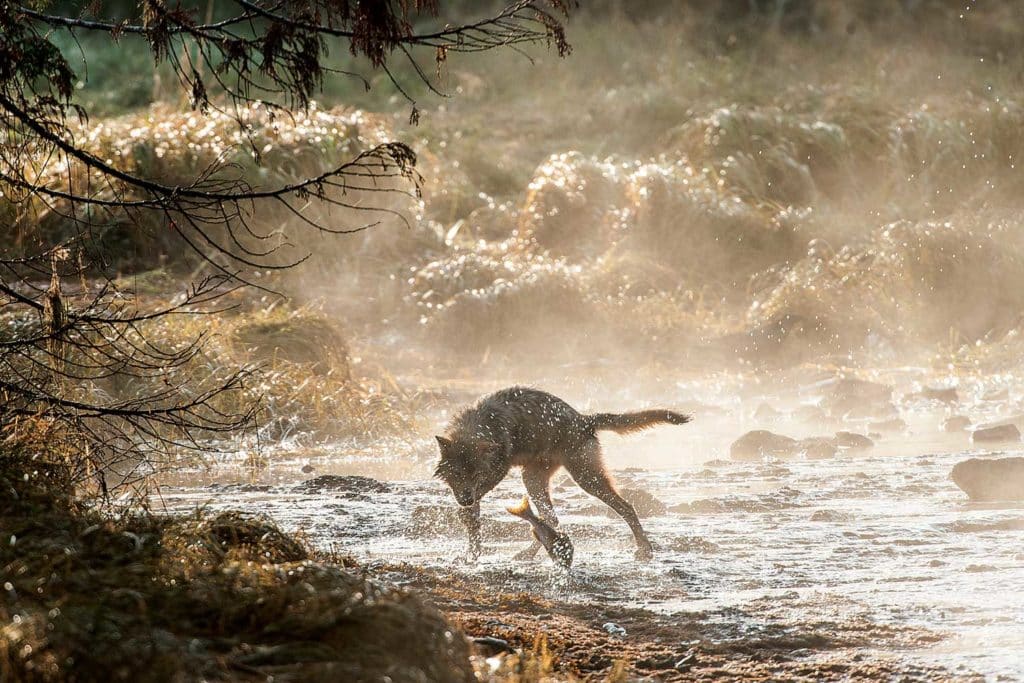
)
(645, 504)
(347, 484)
(991, 478)
(760, 442)
(999, 433)
(853, 441)
(940, 394)
(819, 448)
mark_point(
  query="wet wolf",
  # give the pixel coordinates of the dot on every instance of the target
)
(539, 432)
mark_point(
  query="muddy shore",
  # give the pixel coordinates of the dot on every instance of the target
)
(656, 646)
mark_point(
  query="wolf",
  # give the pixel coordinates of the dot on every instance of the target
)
(540, 433)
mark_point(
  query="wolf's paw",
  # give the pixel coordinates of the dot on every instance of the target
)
(644, 553)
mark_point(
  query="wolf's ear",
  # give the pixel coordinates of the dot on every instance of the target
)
(443, 443)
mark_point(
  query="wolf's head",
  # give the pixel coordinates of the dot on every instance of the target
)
(470, 468)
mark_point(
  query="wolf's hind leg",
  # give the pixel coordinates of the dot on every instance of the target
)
(537, 481)
(588, 471)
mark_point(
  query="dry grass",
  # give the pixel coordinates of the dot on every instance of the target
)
(92, 597)
(682, 196)
(910, 283)
(303, 379)
(177, 147)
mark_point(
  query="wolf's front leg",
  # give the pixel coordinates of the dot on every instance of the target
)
(470, 516)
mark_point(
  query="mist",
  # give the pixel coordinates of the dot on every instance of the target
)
(798, 222)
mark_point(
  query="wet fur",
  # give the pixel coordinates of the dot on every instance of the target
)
(539, 432)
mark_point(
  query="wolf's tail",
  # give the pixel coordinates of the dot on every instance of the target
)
(627, 423)
(522, 509)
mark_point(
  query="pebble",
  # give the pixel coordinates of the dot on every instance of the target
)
(614, 629)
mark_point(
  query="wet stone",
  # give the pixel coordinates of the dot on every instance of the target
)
(335, 483)
(991, 478)
(853, 441)
(760, 442)
(996, 434)
(829, 516)
(645, 504)
(819, 448)
(940, 394)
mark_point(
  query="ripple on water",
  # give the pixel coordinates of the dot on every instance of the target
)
(859, 554)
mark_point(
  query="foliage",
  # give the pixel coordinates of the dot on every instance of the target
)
(80, 355)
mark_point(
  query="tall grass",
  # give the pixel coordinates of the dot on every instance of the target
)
(692, 170)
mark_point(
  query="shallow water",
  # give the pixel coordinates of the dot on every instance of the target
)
(867, 554)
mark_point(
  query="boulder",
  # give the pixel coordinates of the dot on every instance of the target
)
(996, 434)
(853, 441)
(819, 448)
(760, 442)
(645, 504)
(991, 478)
(940, 394)
(346, 484)
(830, 516)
